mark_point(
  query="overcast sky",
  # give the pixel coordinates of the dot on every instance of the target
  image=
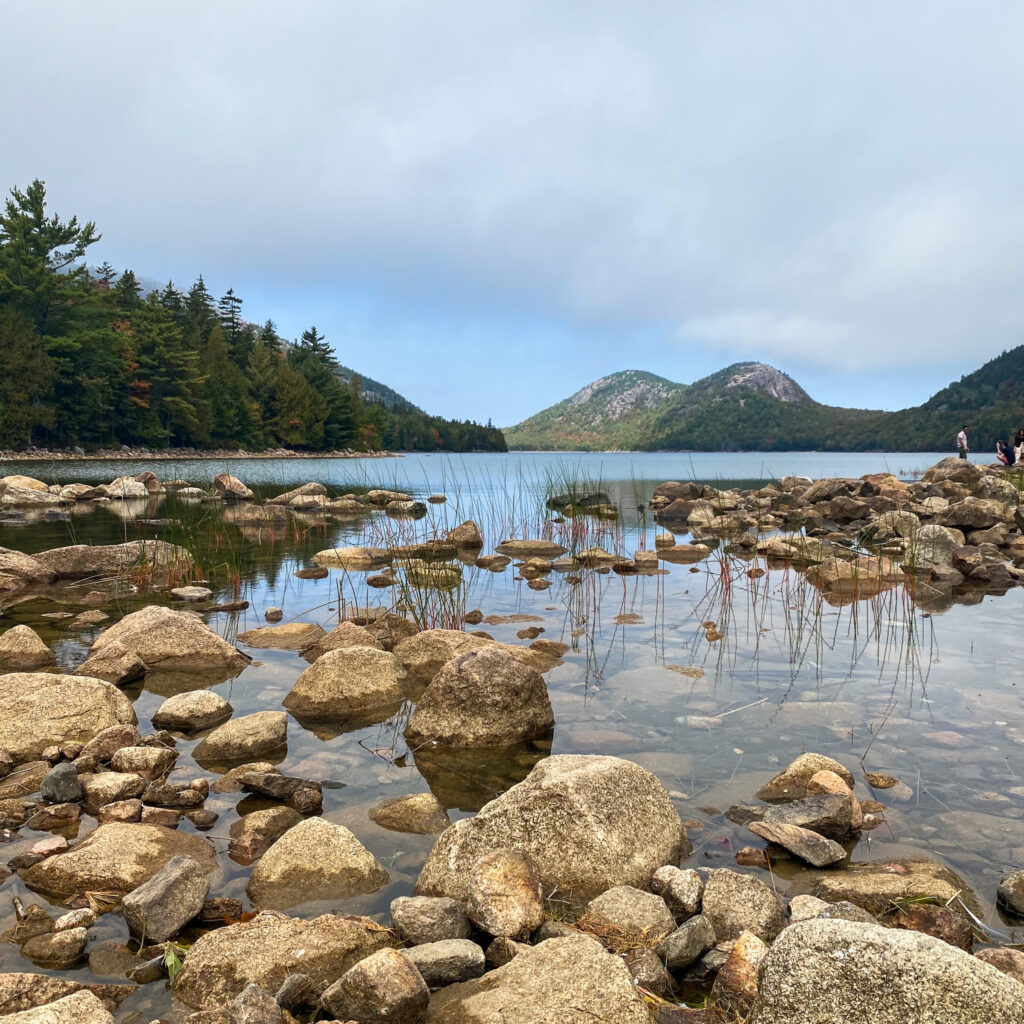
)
(487, 205)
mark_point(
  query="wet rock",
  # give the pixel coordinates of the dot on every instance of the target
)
(895, 977)
(289, 636)
(303, 795)
(25, 991)
(42, 709)
(648, 971)
(421, 814)
(530, 549)
(114, 663)
(346, 682)
(801, 842)
(314, 860)
(192, 712)
(734, 902)
(876, 885)
(230, 488)
(552, 817)
(21, 650)
(385, 988)
(345, 634)
(689, 941)
(172, 640)
(54, 817)
(57, 950)
(270, 948)
(1010, 893)
(149, 762)
(191, 594)
(626, 909)
(115, 858)
(482, 698)
(504, 895)
(447, 962)
(422, 919)
(180, 795)
(61, 785)
(80, 561)
(253, 835)
(159, 908)
(569, 981)
(941, 922)
(77, 1008)
(791, 782)
(681, 889)
(827, 814)
(466, 535)
(1004, 958)
(273, 614)
(844, 910)
(493, 563)
(735, 987)
(263, 734)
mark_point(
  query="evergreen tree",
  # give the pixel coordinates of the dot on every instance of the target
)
(25, 384)
(268, 336)
(129, 291)
(105, 277)
(199, 312)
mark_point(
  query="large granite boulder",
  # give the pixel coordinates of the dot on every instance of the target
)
(847, 972)
(425, 654)
(346, 682)
(571, 980)
(18, 569)
(80, 561)
(172, 640)
(249, 738)
(42, 709)
(270, 948)
(22, 650)
(117, 858)
(587, 822)
(482, 698)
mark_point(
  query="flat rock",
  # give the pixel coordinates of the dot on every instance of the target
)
(80, 561)
(289, 636)
(801, 842)
(78, 1008)
(116, 858)
(24, 991)
(420, 814)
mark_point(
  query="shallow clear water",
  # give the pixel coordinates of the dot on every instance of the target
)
(933, 697)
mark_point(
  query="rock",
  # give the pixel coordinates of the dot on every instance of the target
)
(355, 558)
(56, 816)
(82, 918)
(230, 488)
(254, 1006)
(804, 907)
(159, 908)
(253, 834)
(345, 634)
(18, 569)
(825, 813)
(735, 987)
(791, 782)
(21, 650)
(876, 885)
(150, 763)
(482, 698)
(105, 788)
(315, 860)
(294, 992)
(466, 535)
(447, 962)
(263, 734)
(425, 654)
(504, 897)
(562, 981)
(107, 742)
(941, 922)
(894, 977)
(172, 640)
(648, 971)
(1010, 893)
(80, 561)
(303, 491)
(801, 842)
(192, 712)
(191, 594)
(385, 988)
(42, 709)
(626, 909)
(25, 991)
(734, 902)
(273, 614)
(346, 682)
(493, 563)
(423, 919)
(421, 814)
(115, 858)
(289, 636)
(26, 483)
(1004, 958)
(61, 785)
(58, 950)
(552, 817)
(268, 949)
(80, 1007)
(25, 497)
(681, 890)
(303, 795)
(114, 663)
(689, 941)
(124, 488)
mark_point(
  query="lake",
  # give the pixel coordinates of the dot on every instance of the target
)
(931, 695)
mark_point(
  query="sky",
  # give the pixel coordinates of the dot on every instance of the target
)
(488, 205)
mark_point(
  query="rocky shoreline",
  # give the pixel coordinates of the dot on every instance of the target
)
(574, 895)
(178, 454)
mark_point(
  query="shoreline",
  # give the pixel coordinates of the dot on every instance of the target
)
(178, 455)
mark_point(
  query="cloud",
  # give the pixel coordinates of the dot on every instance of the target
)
(447, 187)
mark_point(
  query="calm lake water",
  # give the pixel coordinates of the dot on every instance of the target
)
(932, 696)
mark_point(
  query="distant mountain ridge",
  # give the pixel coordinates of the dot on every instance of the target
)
(756, 407)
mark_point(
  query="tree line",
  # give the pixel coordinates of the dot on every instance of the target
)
(90, 360)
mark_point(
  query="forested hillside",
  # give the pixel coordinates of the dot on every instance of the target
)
(89, 360)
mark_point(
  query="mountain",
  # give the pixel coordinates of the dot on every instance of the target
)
(755, 407)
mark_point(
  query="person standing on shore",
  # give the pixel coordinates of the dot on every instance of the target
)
(961, 443)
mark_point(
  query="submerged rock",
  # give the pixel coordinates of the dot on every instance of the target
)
(420, 813)
(553, 817)
(842, 972)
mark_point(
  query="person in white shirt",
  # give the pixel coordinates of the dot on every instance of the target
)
(961, 442)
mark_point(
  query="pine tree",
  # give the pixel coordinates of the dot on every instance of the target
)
(199, 312)
(105, 277)
(268, 336)
(129, 291)
(26, 383)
